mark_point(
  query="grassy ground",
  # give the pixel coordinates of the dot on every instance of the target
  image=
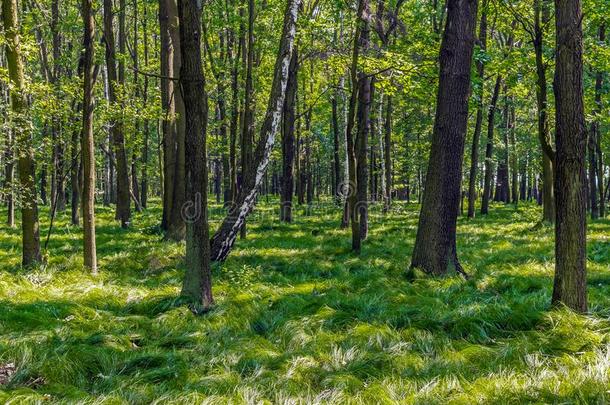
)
(299, 319)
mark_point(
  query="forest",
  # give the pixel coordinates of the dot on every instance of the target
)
(304, 201)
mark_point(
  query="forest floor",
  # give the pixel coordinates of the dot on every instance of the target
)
(300, 319)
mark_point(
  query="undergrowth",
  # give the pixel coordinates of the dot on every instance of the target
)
(300, 319)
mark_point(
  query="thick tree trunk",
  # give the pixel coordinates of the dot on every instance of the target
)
(288, 140)
(176, 228)
(169, 110)
(198, 279)
(570, 285)
(116, 125)
(173, 125)
(491, 115)
(224, 238)
(435, 245)
(23, 137)
(87, 141)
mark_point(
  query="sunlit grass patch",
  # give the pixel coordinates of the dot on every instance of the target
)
(301, 319)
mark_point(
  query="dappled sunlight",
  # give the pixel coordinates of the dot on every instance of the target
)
(299, 317)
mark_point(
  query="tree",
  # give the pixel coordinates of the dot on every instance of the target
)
(570, 286)
(596, 162)
(87, 140)
(476, 137)
(173, 123)
(30, 238)
(491, 115)
(548, 155)
(123, 211)
(358, 83)
(197, 283)
(435, 250)
(288, 140)
(224, 238)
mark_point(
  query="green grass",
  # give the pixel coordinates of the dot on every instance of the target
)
(300, 319)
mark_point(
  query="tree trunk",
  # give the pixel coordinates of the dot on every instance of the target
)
(116, 125)
(176, 228)
(365, 90)
(197, 283)
(476, 137)
(548, 199)
(387, 156)
(514, 161)
(288, 140)
(59, 194)
(570, 283)
(22, 135)
(144, 175)
(87, 140)
(491, 114)
(224, 238)
(247, 135)
(596, 132)
(435, 245)
(336, 189)
(8, 179)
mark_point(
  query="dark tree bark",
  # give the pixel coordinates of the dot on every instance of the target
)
(435, 245)
(491, 115)
(197, 285)
(224, 238)
(173, 125)
(30, 237)
(168, 105)
(176, 228)
(570, 285)
(87, 140)
(365, 90)
(288, 140)
(353, 190)
(123, 210)
(476, 137)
